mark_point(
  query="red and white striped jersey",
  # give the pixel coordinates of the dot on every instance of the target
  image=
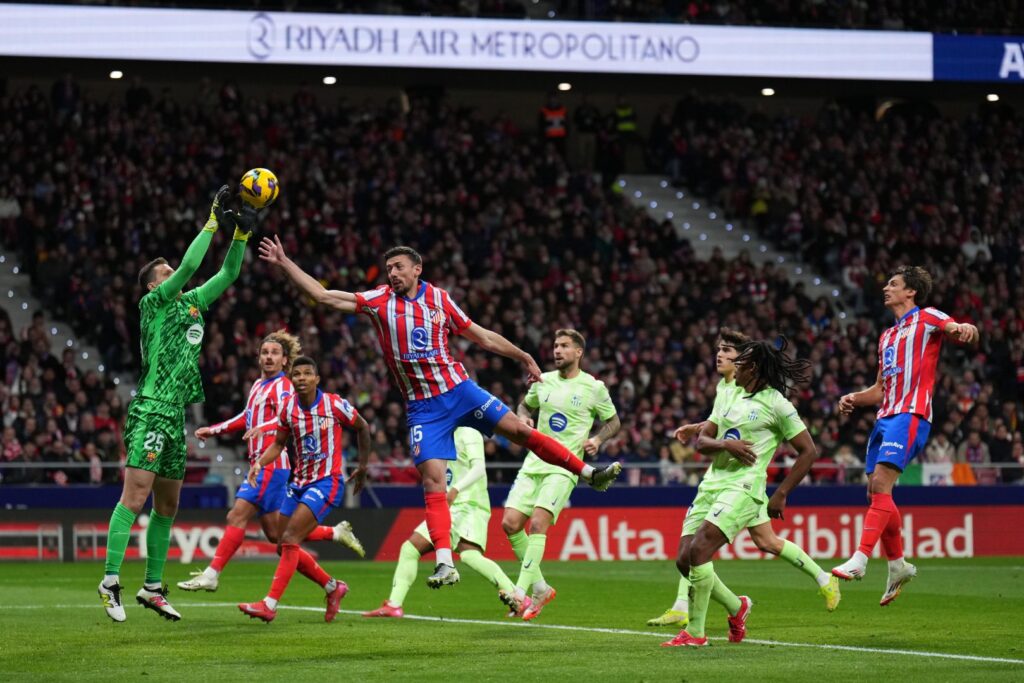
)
(907, 355)
(413, 334)
(266, 397)
(317, 432)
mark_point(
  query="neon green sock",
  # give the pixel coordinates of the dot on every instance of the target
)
(721, 594)
(119, 533)
(519, 540)
(405, 573)
(158, 540)
(703, 579)
(683, 593)
(530, 569)
(488, 569)
(796, 556)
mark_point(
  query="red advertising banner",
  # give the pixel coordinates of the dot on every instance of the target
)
(190, 542)
(652, 533)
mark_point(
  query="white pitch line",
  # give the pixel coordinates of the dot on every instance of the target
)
(586, 629)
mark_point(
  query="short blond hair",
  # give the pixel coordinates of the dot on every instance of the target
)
(290, 345)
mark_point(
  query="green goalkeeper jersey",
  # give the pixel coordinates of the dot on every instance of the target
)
(469, 446)
(172, 325)
(566, 412)
(765, 419)
(172, 335)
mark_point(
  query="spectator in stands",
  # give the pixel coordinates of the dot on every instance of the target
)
(939, 449)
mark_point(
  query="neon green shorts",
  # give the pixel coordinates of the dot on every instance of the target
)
(546, 491)
(154, 438)
(731, 510)
(469, 523)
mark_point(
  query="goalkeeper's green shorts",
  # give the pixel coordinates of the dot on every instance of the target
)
(154, 437)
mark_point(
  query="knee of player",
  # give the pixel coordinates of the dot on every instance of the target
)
(683, 563)
(510, 527)
(538, 526)
(768, 544)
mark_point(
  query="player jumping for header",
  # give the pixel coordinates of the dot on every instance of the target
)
(413, 319)
(907, 355)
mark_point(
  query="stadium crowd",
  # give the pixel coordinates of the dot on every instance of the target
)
(91, 189)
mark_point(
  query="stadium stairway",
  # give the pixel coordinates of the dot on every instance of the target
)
(17, 299)
(706, 228)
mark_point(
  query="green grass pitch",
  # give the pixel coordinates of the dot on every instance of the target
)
(53, 627)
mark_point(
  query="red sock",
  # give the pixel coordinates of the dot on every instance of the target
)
(550, 451)
(321, 533)
(285, 570)
(875, 521)
(439, 520)
(892, 537)
(308, 567)
(229, 543)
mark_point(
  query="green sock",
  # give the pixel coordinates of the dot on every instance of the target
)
(721, 594)
(529, 572)
(488, 569)
(796, 556)
(519, 540)
(703, 579)
(405, 573)
(119, 533)
(158, 540)
(682, 603)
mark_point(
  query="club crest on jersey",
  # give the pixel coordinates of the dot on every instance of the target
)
(193, 311)
(752, 416)
(151, 457)
(447, 476)
(558, 422)
(436, 316)
(576, 401)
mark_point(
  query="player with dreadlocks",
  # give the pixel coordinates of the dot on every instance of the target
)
(752, 423)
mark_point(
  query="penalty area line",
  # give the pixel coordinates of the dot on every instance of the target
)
(585, 629)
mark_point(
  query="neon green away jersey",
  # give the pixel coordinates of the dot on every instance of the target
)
(172, 334)
(765, 419)
(469, 446)
(566, 412)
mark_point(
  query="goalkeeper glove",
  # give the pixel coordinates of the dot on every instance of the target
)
(218, 216)
(246, 220)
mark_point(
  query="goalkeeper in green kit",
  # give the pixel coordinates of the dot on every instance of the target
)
(171, 325)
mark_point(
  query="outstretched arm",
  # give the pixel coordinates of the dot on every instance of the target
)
(211, 290)
(193, 257)
(494, 342)
(272, 251)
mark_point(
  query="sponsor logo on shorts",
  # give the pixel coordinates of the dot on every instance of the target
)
(892, 444)
(732, 434)
(717, 512)
(558, 422)
(318, 493)
(194, 334)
